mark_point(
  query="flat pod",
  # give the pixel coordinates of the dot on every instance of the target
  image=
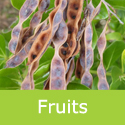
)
(33, 23)
(26, 10)
(57, 72)
(17, 59)
(73, 15)
(101, 44)
(42, 40)
(86, 57)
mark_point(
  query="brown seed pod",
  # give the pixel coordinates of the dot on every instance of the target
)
(26, 10)
(45, 37)
(92, 12)
(87, 77)
(101, 44)
(77, 49)
(80, 64)
(57, 72)
(73, 15)
(17, 59)
(42, 7)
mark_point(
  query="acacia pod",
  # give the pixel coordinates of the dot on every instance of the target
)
(87, 77)
(82, 53)
(101, 44)
(44, 38)
(42, 7)
(57, 72)
(17, 59)
(77, 49)
(80, 64)
(92, 12)
(26, 10)
(73, 15)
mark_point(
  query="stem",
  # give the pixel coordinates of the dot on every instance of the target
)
(95, 72)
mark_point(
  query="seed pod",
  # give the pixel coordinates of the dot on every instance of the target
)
(28, 81)
(87, 77)
(73, 15)
(101, 44)
(44, 38)
(80, 64)
(17, 59)
(26, 10)
(42, 7)
(77, 48)
(57, 72)
(92, 12)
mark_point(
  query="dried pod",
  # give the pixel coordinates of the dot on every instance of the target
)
(17, 59)
(57, 72)
(87, 77)
(43, 39)
(73, 15)
(92, 12)
(101, 44)
(42, 7)
(66, 38)
(26, 10)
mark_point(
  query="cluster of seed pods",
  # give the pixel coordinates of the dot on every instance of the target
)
(68, 34)
(26, 10)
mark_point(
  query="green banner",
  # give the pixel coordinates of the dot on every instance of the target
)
(62, 107)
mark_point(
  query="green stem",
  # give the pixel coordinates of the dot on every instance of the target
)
(95, 72)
